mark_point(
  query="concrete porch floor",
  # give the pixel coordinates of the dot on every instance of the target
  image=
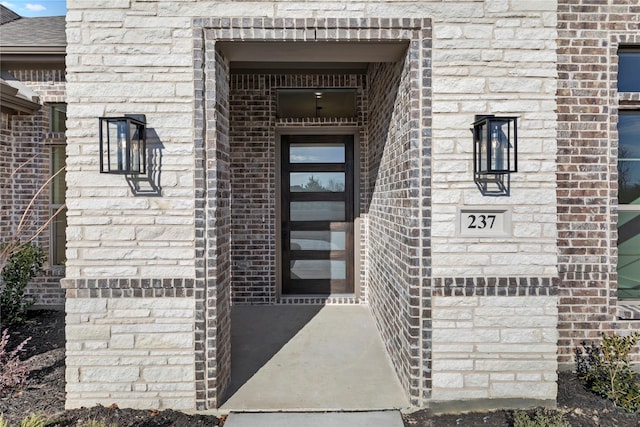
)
(309, 358)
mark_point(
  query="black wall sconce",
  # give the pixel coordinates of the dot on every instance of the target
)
(123, 145)
(495, 153)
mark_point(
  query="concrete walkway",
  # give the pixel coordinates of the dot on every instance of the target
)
(309, 358)
(333, 419)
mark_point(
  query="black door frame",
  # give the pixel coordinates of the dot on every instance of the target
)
(353, 131)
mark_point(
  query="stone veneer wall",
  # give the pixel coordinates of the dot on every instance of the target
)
(25, 165)
(137, 352)
(495, 341)
(150, 56)
(590, 34)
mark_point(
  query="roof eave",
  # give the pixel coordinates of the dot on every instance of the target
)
(15, 103)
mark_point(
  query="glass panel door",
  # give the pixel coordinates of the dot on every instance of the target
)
(317, 214)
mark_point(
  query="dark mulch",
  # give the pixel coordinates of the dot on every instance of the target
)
(44, 394)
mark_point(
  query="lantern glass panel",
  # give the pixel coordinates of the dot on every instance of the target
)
(499, 146)
(482, 148)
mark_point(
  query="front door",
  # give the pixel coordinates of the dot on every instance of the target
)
(317, 214)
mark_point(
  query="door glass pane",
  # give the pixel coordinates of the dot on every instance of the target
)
(629, 254)
(318, 240)
(318, 269)
(317, 211)
(316, 153)
(317, 181)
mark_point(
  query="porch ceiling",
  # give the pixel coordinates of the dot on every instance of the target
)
(310, 55)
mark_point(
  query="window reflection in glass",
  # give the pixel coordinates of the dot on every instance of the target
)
(629, 254)
(318, 240)
(316, 153)
(317, 181)
(317, 211)
(318, 269)
(628, 66)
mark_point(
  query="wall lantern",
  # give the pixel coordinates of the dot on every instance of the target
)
(495, 153)
(123, 145)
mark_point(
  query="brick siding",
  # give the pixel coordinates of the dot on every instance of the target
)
(25, 165)
(589, 35)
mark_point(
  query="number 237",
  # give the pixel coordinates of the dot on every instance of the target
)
(481, 221)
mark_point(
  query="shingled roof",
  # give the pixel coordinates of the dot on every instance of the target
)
(28, 36)
(7, 15)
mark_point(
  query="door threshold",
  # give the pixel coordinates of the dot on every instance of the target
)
(350, 299)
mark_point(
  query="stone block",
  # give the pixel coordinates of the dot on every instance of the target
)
(109, 374)
(448, 380)
(88, 332)
(168, 374)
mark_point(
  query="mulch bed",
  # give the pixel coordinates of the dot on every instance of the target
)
(44, 394)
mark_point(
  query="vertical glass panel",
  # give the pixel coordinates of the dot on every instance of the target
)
(59, 237)
(310, 103)
(318, 240)
(58, 185)
(629, 182)
(316, 181)
(629, 158)
(317, 211)
(499, 146)
(482, 148)
(58, 117)
(318, 269)
(316, 153)
(629, 254)
(628, 66)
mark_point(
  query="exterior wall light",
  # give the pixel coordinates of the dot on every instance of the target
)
(495, 153)
(123, 145)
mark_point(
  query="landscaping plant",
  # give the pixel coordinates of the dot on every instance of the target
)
(13, 371)
(20, 268)
(606, 370)
(540, 418)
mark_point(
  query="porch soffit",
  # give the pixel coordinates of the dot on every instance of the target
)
(310, 55)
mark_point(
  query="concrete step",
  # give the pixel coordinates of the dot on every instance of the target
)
(315, 419)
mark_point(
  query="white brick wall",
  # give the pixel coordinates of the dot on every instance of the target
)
(137, 352)
(494, 347)
(501, 63)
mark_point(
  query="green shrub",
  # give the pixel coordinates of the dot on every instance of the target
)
(541, 418)
(605, 369)
(21, 267)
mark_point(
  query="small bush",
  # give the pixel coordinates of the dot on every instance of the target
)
(33, 420)
(13, 371)
(21, 267)
(540, 419)
(3, 423)
(605, 369)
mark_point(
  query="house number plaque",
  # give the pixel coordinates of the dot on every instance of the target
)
(484, 222)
